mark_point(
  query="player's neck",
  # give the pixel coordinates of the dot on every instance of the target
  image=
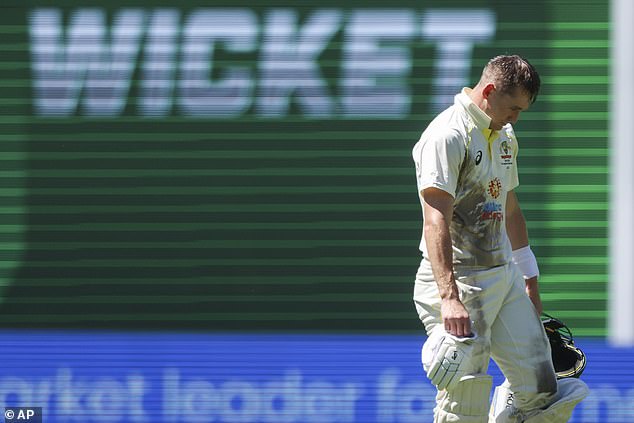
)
(475, 94)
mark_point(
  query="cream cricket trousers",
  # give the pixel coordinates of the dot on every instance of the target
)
(508, 329)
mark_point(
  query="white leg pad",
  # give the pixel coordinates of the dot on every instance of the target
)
(467, 402)
(502, 401)
(570, 392)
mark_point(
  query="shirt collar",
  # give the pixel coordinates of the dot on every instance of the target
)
(481, 119)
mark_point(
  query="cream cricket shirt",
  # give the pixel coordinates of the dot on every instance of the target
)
(459, 154)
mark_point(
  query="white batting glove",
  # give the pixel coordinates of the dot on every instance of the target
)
(447, 358)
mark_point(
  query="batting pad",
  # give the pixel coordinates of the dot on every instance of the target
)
(570, 392)
(468, 402)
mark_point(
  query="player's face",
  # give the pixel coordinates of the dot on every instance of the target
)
(505, 108)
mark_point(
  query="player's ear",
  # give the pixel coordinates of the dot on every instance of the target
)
(488, 89)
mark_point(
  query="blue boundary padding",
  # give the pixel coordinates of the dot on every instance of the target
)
(172, 377)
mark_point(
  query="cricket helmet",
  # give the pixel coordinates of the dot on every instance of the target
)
(568, 360)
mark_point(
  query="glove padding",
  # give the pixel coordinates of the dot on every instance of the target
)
(447, 358)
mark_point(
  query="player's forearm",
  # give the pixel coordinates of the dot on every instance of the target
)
(438, 241)
(438, 212)
(515, 223)
(516, 230)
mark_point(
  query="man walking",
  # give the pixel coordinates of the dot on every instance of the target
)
(476, 289)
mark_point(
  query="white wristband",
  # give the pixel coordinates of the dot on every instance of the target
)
(526, 261)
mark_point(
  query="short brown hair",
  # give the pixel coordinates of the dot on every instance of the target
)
(511, 72)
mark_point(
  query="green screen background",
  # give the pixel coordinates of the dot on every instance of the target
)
(291, 224)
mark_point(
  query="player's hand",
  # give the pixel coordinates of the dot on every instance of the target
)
(532, 290)
(455, 317)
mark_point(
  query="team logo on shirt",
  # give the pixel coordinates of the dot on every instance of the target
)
(495, 186)
(504, 147)
(506, 158)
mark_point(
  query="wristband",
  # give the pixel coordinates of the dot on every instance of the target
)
(526, 261)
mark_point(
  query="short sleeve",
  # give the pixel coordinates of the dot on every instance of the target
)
(438, 158)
